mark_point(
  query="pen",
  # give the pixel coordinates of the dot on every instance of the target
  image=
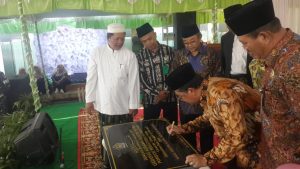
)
(172, 126)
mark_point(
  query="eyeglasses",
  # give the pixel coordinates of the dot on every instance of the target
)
(180, 95)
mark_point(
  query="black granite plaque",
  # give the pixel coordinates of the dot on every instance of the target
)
(145, 145)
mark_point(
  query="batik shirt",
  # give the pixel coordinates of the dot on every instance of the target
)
(206, 63)
(281, 104)
(231, 107)
(209, 64)
(154, 68)
(257, 68)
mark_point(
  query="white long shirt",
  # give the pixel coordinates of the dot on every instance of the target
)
(112, 82)
(239, 58)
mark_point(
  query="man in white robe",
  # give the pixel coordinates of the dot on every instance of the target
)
(112, 84)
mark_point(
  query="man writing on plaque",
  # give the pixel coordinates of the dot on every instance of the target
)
(205, 63)
(230, 106)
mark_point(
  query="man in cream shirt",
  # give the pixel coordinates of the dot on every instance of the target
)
(112, 84)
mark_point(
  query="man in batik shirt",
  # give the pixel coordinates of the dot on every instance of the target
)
(263, 36)
(154, 65)
(206, 63)
(203, 58)
(230, 106)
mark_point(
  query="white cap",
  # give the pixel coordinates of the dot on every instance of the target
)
(115, 28)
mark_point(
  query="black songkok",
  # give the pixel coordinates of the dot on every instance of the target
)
(188, 31)
(143, 30)
(251, 16)
(230, 10)
(180, 76)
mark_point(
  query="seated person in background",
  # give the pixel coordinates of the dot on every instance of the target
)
(4, 86)
(40, 79)
(230, 106)
(22, 72)
(60, 79)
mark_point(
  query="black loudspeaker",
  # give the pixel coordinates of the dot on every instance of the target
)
(38, 141)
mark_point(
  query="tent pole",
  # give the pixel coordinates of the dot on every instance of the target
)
(215, 21)
(28, 53)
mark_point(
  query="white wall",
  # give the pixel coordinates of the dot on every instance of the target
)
(288, 11)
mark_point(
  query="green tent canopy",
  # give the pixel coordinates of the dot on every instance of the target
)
(8, 8)
(47, 15)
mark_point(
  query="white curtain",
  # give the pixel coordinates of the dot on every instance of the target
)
(288, 11)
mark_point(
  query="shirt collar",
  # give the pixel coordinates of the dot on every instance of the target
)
(275, 53)
(157, 52)
(111, 50)
(200, 50)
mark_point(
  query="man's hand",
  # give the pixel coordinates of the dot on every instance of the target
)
(174, 129)
(162, 96)
(133, 112)
(89, 107)
(196, 160)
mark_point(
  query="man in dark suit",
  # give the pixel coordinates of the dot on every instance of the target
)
(234, 58)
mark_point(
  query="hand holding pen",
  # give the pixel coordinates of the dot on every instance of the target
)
(173, 129)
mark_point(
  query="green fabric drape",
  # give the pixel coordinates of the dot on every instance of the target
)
(203, 8)
(9, 8)
(207, 17)
(13, 26)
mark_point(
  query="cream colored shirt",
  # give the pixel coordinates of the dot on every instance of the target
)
(112, 82)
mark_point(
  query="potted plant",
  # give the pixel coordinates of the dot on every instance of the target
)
(11, 124)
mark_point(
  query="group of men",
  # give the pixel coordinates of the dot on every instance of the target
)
(256, 130)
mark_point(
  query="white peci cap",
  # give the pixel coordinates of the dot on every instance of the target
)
(115, 28)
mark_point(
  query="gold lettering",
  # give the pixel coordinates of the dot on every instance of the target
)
(165, 142)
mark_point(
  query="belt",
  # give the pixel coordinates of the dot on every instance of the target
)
(115, 119)
(238, 75)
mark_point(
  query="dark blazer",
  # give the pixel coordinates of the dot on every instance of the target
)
(226, 56)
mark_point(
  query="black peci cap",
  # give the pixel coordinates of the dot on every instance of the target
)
(189, 30)
(251, 16)
(230, 10)
(180, 76)
(143, 30)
